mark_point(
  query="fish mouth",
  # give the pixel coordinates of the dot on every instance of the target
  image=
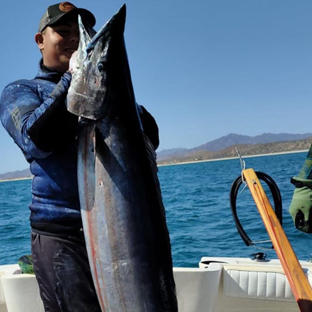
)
(302, 224)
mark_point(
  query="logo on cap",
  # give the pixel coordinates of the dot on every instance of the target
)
(66, 6)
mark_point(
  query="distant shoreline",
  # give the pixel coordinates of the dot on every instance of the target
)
(192, 162)
(229, 158)
(16, 179)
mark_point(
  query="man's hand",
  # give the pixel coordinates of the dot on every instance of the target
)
(301, 205)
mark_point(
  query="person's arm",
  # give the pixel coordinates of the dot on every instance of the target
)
(37, 128)
(301, 204)
(50, 126)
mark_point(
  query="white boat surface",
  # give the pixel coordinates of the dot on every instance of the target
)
(224, 284)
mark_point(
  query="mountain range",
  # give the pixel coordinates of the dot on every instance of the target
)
(224, 147)
(265, 143)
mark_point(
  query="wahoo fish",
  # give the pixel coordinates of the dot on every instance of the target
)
(121, 204)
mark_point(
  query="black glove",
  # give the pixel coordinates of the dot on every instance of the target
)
(301, 204)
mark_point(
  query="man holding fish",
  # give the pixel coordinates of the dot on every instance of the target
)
(35, 115)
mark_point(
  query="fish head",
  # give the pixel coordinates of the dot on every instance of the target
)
(89, 92)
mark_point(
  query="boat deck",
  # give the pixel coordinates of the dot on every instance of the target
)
(218, 284)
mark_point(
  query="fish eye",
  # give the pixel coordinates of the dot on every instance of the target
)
(102, 64)
(101, 67)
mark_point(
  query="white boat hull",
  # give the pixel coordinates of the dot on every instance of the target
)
(219, 284)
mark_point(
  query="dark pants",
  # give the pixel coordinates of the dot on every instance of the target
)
(63, 274)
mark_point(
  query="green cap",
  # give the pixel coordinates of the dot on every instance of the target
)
(55, 13)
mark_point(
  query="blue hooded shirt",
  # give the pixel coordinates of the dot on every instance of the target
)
(34, 114)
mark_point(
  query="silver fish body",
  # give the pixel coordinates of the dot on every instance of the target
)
(121, 205)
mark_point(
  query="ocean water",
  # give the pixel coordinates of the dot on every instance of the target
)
(199, 218)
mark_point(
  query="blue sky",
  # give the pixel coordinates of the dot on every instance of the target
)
(203, 68)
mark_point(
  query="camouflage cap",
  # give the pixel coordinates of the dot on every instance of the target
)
(55, 13)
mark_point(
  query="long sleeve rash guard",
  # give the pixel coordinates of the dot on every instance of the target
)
(34, 114)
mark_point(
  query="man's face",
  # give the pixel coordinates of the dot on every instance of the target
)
(58, 44)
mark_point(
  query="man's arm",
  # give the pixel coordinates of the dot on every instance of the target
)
(37, 127)
(301, 204)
